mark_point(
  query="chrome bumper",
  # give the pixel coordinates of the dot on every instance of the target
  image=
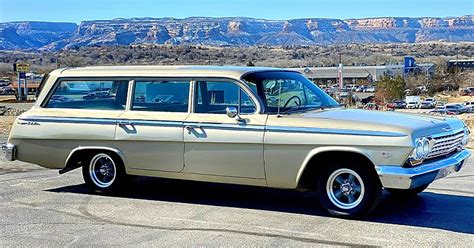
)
(397, 177)
(9, 150)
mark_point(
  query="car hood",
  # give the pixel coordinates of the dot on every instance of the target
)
(415, 125)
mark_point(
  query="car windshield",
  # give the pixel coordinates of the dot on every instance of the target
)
(284, 92)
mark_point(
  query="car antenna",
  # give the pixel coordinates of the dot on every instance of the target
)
(279, 98)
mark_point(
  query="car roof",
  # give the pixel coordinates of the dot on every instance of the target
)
(164, 71)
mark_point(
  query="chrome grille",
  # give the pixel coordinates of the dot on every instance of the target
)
(446, 143)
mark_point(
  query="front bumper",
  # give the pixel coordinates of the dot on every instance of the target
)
(9, 150)
(396, 177)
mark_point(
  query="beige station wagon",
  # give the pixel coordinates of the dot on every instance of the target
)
(240, 125)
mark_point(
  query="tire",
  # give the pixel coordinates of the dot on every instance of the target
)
(349, 190)
(407, 192)
(104, 172)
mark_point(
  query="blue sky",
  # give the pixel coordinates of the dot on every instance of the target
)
(78, 10)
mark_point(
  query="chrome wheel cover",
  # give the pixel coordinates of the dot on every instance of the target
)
(345, 188)
(102, 170)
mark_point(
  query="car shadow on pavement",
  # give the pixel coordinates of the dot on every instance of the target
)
(431, 210)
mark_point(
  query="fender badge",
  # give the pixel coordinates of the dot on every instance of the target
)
(386, 154)
(28, 123)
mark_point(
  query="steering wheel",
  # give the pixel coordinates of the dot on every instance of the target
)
(289, 100)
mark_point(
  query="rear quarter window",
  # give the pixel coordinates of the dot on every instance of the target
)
(89, 94)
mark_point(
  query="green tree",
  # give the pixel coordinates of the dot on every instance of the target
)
(389, 89)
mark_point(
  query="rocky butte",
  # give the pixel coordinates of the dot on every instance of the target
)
(233, 31)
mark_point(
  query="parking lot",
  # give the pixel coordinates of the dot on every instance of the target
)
(39, 207)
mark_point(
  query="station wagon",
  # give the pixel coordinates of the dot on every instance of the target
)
(238, 125)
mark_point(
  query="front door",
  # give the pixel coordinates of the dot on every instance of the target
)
(218, 145)
(151, 131)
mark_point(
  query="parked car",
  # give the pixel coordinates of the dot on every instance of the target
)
(440, 104)
(441, 111)
(456, 108)
(413, 105)
(217, 125)
(397, 104)
(370, 89)
(432, 101)
(469, 103)
(96, 95)
(467, 92)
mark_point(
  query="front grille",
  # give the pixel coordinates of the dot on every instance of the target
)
(446, 143)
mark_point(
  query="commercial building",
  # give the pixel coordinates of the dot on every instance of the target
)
(366, 74)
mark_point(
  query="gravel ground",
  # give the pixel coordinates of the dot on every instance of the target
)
(40, 208)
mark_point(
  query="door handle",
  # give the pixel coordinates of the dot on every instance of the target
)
(124, 123)
(190, 128)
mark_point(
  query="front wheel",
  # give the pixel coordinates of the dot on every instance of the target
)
(104, 172)
(349, 190)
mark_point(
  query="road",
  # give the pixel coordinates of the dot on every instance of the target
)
(39, 207)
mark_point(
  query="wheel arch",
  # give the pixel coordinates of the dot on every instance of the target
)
(72, 159)
(309, 165)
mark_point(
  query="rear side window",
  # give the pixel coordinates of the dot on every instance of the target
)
(162, 96)
(90, 94)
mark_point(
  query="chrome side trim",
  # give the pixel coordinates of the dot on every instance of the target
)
(77, 120)
(286, 129)
(100, 121)
(232, 127)
(405, 178)
(222, 126)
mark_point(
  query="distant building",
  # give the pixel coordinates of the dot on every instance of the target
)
(367, 74)
(461, 64)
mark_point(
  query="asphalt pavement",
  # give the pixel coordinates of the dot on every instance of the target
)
(39, 207)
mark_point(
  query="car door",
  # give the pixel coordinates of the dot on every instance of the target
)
(150, 132)
(216, 144)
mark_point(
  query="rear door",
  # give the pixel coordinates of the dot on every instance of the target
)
(150, 132)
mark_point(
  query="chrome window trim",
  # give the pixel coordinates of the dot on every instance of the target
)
(178, 79)
(239, 83)
(61, 79)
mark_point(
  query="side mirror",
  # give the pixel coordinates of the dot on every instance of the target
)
(231, 112)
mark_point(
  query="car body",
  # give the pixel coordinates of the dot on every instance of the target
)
(370, 89)
(413, 105)
(240, 125)
(441, 111)
(469, 103)
(456, 108)
(428, 103)
(467, 92)
(397, 104)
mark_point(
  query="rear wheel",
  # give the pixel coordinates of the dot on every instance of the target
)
(407, 192)
(349, 190)
(104, 172)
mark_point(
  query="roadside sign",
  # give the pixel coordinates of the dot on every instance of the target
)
(21, 67)
(21, 75)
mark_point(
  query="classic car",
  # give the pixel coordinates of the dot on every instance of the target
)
(238, 125)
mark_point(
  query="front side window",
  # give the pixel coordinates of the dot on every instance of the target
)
(288, 91)
(163, 96)
(215, 97)
(90, 94)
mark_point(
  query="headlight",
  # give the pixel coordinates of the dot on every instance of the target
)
(418, 150)
(422, 150)
(426, 148)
